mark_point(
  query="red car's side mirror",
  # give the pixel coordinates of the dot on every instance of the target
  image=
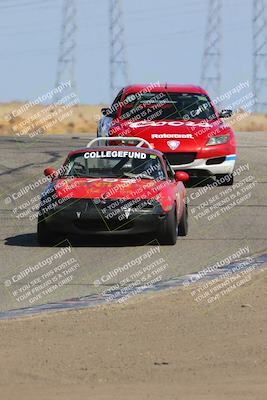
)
(181, 176)
(52, 172)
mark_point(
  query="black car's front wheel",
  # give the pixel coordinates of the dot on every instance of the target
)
(169, 229)
(44, 234)
(183, 224)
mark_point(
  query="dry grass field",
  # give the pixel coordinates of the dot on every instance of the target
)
(41, 119)
(84, 118)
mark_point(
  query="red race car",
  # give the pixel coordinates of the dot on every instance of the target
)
(180, 121)
(116, 190)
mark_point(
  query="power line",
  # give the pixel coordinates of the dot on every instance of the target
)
(31, 3)
(118, 59)
(66, 58)
(259, 55)
(212, 57)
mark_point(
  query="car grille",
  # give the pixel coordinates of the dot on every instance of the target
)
(180, 158)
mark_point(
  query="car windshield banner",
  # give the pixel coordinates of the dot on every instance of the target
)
(114, 154)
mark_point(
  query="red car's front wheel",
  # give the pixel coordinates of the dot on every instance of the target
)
(44, 235)
(168, 230)
(183, 224)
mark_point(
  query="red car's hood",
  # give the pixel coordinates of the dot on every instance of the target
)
(106, 188)
(167, 135)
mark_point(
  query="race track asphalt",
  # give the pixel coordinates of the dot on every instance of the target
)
(239, 227)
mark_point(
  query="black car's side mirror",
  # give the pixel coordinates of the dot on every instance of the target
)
(225, 113)
(107, 112)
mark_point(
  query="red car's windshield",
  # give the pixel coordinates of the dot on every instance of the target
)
(115, 164)
(167, 106)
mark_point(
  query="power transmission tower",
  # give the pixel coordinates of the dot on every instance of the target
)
(212, 57)
(260, 55)
(66, 58)
(118, 57)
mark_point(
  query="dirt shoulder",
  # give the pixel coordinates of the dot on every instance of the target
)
(163, 346)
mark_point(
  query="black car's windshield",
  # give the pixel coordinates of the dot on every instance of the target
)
(115, 164)
(167, 105)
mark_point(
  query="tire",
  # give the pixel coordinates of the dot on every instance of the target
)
(168, 231)
(44, 235)
(228, 179)
(183, 224)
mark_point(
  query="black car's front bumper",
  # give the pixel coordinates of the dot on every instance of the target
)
(85, 217)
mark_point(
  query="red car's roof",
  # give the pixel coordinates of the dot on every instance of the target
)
(165, 88)
(116, 148)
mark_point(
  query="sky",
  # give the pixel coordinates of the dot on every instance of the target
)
(164, 39)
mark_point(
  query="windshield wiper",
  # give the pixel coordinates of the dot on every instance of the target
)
(141, 176)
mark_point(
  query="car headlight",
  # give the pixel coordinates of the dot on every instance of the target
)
(218, 140)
